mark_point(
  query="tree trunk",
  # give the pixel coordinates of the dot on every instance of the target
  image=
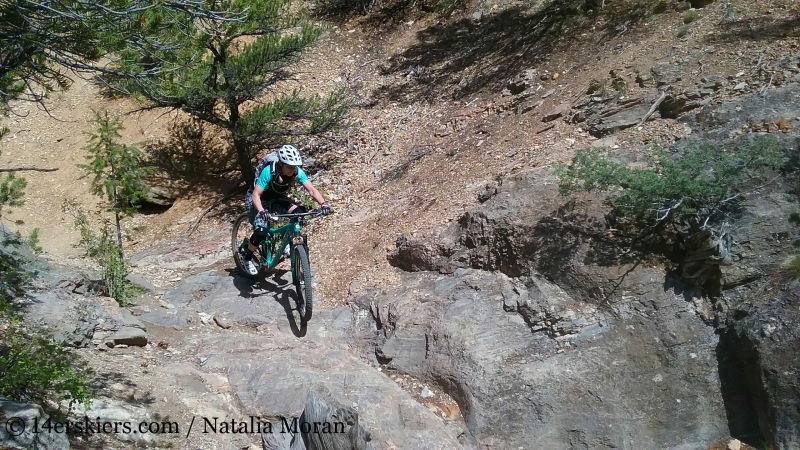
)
(243, 157)
(116, 203)
(242, 149)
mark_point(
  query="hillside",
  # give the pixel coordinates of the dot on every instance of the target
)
(458, 119)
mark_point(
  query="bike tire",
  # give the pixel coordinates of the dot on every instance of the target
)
(302, 282)
(241, 230)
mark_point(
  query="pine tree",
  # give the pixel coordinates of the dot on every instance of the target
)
(42, 38)
(118, 178)
(223, 69)
(116, 170)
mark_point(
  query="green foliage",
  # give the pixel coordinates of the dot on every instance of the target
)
(42, 38)
(304, 197)
(598, 86)
(730, 13)
(792, 265)
(103, 248)
(33, 241)
(690, 16)
(682, 31)
(13, 276)
(447, 6)
(117, 176)
(37, 34)
(398, 10)
(11, 191)
(211, 68)
(115, 167)
(690, 189)
(33, 367)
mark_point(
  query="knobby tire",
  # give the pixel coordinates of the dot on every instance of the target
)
(302, 282)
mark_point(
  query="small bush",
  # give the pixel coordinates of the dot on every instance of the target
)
(619, 85)
(11, 190)
(599, 87)
(305, 198)
(690, 16)
(35, 368)
(103, 248)
(33, 241)
(730, 13)
(682, 30)
(695, 188)
(792, 265)
(13, 277)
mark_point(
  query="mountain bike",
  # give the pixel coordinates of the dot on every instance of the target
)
(272, 251)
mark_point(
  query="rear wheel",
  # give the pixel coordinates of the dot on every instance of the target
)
(302, 282)
(240, 236)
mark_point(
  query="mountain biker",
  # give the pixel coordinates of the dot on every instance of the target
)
(269, 195)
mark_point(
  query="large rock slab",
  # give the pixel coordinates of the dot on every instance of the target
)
(277, 384)
(571, 375)
(759, 352)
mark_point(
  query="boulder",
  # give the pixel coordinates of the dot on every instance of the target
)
(18, 427)
(573, 374)
(129, 336)
(161, 195)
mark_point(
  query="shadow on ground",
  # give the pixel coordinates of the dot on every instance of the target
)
(459, 58)
(767, 28)
(274, 285)
(193, 158)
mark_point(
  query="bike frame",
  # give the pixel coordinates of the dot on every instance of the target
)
(291, 234)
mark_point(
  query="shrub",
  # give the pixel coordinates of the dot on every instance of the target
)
(792, 266)
(694, 189)
(730, 13)
(11, 190)
(682, 30)
(690, 16)
(35, 368)
(33, 241)
(12, 275)
(102, 247)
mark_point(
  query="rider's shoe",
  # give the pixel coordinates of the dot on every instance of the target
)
(251, 267)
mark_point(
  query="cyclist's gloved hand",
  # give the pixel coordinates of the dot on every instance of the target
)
(324, 209)
(264, 215)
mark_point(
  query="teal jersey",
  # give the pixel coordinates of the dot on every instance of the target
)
(266, 176)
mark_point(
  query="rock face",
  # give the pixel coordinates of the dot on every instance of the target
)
(18, 429)
(296, 358)
(544, 293)
(573, 375)
(759, 351)
(349, 435)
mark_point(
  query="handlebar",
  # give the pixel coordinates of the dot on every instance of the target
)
(314, 212)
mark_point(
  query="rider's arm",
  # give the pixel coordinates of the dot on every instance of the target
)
(314, 193)
(261, 184)
(257, 198)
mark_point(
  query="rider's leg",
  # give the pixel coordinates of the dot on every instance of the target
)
(286, 205)
(260, 227)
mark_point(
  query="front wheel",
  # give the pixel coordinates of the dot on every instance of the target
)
(302, 282)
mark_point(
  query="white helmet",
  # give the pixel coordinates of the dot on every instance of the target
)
(290, 156)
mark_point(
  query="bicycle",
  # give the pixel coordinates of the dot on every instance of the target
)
(271, 252)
